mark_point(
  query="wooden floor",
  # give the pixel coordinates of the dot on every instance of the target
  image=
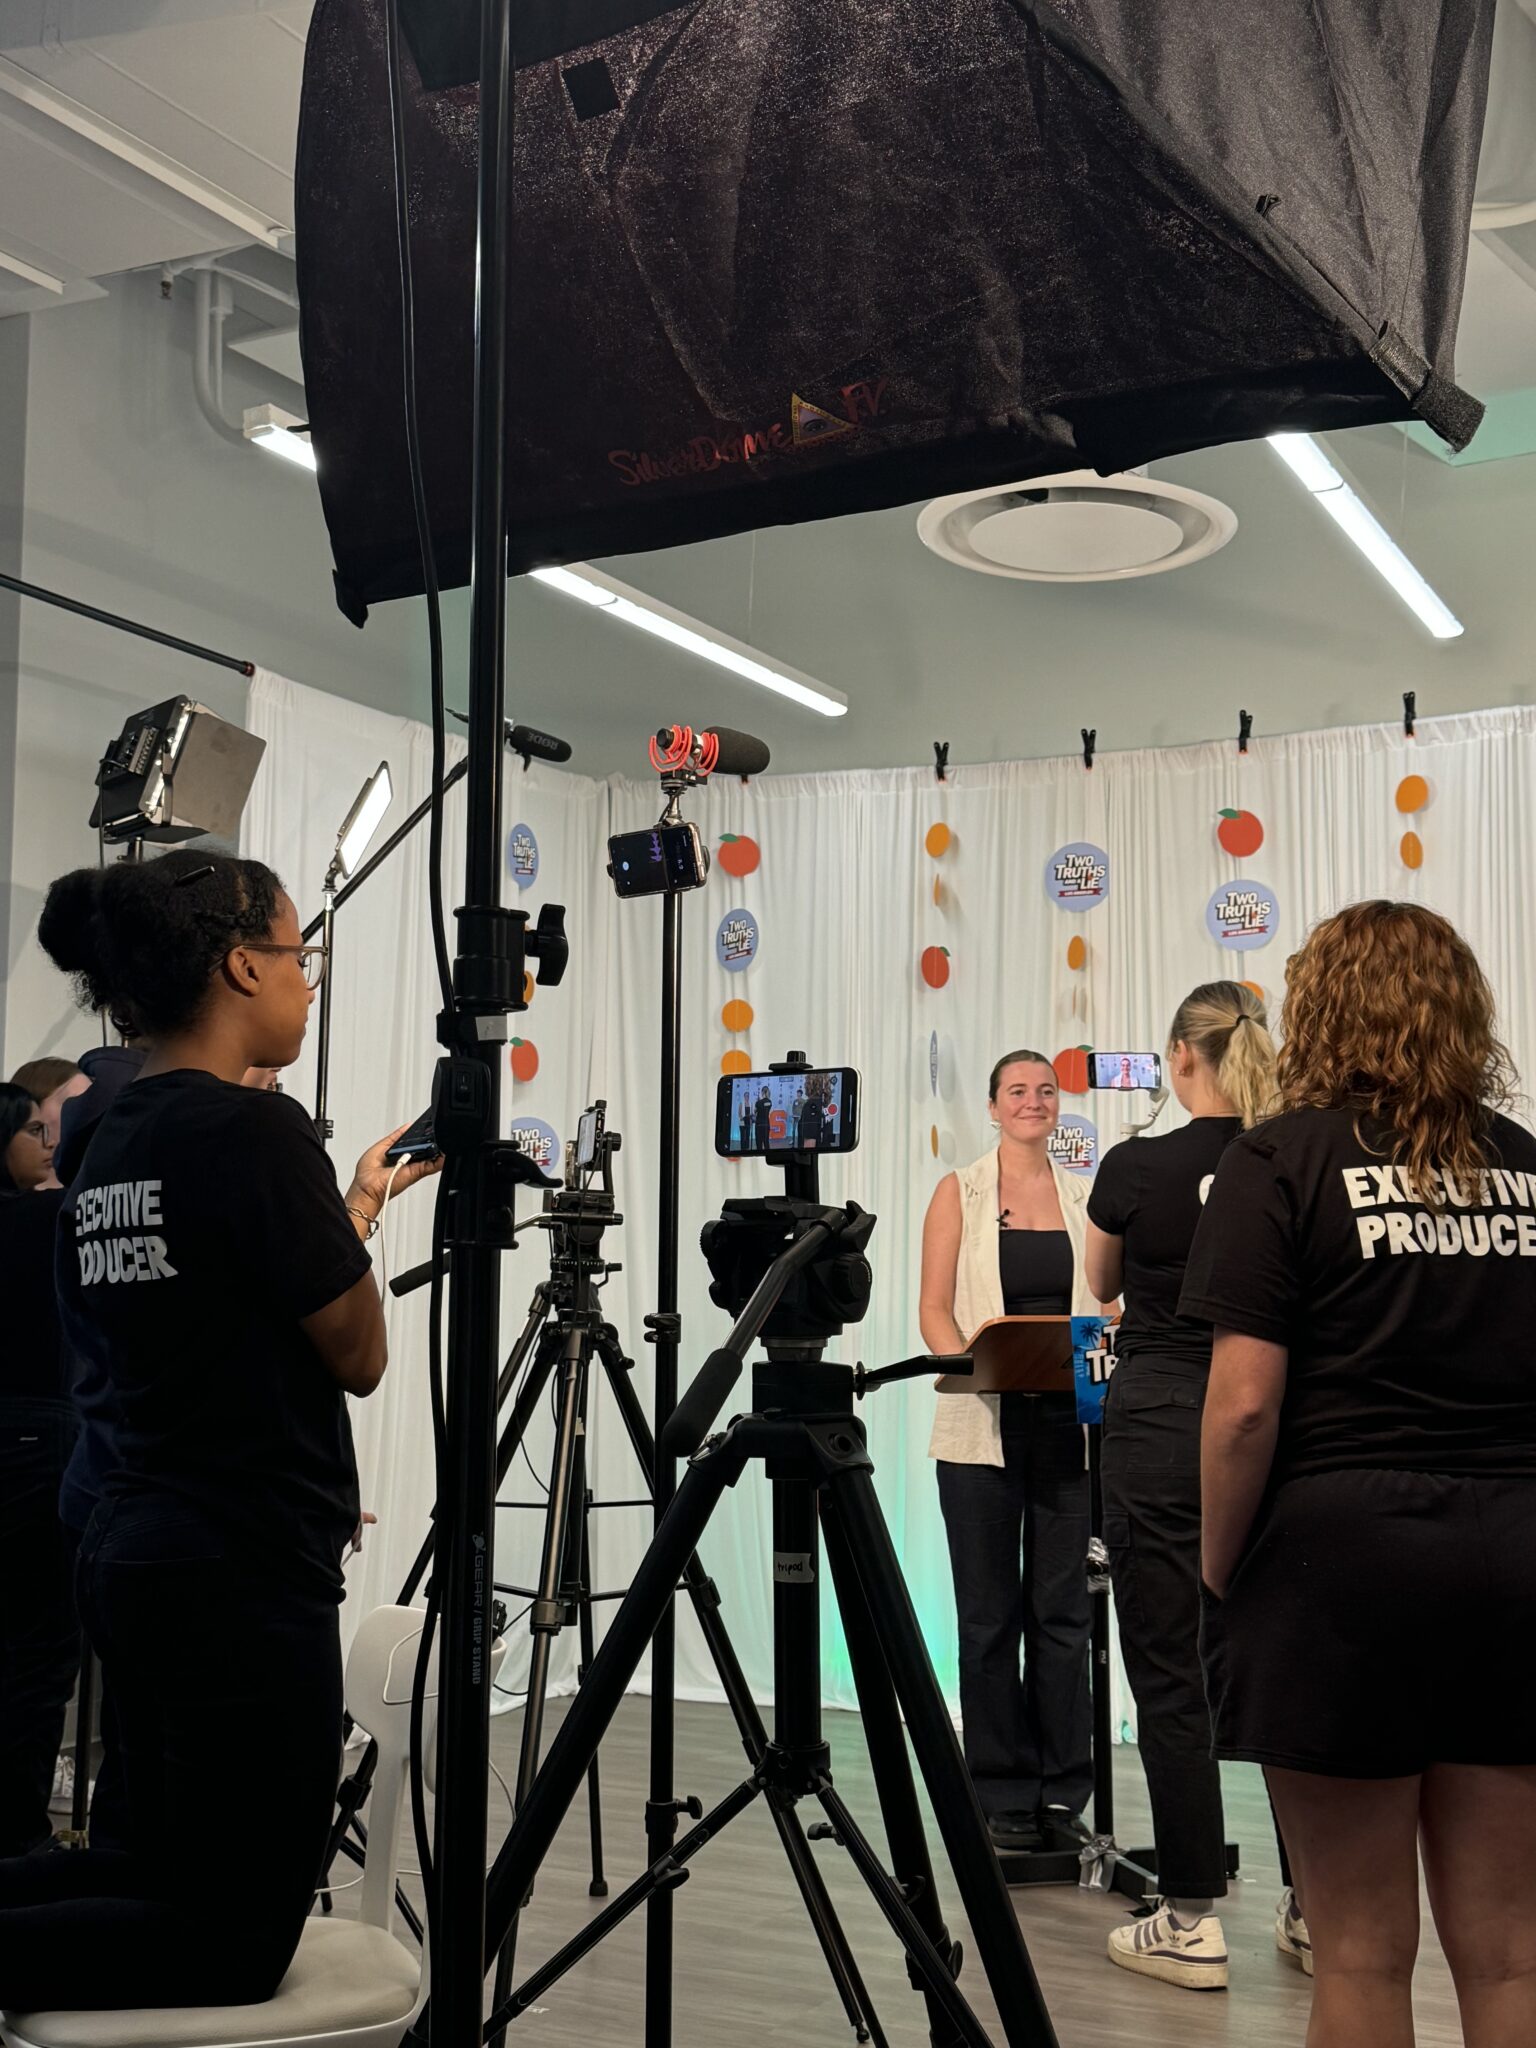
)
(749, 1970)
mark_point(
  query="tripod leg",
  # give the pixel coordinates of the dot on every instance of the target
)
(850, 1500)
(598, 1889)
(754, 1735)
(651, 1592)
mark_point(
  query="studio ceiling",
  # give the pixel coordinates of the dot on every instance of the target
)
(140, 133)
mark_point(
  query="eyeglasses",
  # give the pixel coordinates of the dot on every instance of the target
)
(311, 959)
(38, 1131)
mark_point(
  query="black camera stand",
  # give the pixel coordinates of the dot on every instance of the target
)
(804, 1430)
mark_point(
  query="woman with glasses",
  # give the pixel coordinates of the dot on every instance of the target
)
(39, 1635)
(207, 1258)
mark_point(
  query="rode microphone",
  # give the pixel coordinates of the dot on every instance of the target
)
(526, 740)
(719, 751)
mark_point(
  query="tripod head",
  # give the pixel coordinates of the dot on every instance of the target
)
(813, 1301)
(577, 1213)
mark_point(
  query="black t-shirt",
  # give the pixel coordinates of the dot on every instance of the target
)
(1035, 1268)
(1410, 1330)
(207, 1222)
(32, 1360)
(1150, 1191)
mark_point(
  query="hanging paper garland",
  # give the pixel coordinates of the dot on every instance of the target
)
(938, 841)
(739, 856)
(531, 1135)
(1074, 1145)
(1242, 915)
(737, 1015)
(524, 1059)
(1239, 833)
(1072, 1069)
(1412, 797)
(736, 941)
(933, 1062)
(1077, 876)
(1077, 954)
(523, 856)
(735, 1062)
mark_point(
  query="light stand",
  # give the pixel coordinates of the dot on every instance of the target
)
(352, 841)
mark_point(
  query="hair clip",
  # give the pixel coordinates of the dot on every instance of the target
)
(194, 875)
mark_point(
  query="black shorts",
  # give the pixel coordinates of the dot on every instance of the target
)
(1379, 1622)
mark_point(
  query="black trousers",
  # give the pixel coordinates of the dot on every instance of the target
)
(1018, 1547)
(107, 1826)
(228, 1688)
(1151, 1477)
(39, 1635)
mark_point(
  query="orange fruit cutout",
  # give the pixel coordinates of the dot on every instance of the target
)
(1412, 795)
(735, 1063)
(529, 985)
(737, 1015)
(938, 841)
(1077, 954)
(525, 1059)
(1254, 989)
(935, 966)
(739, 855)
(1412, 850)
(933, 1140)
(1072, 1069)
(1239, 833)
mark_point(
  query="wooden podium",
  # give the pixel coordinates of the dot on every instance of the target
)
(1017, 1355)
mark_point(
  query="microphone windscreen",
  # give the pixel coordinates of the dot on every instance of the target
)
(740, 753)
(527, 739)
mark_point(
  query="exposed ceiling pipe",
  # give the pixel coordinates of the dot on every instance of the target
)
(214, 303)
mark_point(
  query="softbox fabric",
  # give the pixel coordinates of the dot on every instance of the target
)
(775, 261)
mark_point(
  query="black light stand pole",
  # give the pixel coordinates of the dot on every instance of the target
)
(468, 1526)
(324, 1129)
(661, 1809)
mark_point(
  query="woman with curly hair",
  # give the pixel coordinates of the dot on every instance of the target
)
(1368, 1261)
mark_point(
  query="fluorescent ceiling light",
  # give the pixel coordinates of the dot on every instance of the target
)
(363, 820)
(1306, 459)
(635, 608)
(280, 433)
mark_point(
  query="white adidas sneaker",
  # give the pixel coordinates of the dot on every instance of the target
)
(1195, 1957)
(1291, 1936)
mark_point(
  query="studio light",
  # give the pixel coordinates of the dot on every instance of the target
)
(1306, 459)
(280, 433)
(363, 820)
(635, 608)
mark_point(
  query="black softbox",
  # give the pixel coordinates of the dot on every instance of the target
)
(775, 260)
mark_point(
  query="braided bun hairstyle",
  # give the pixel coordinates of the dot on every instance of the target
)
(143, 939)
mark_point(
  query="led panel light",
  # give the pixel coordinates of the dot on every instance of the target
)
(363, 820)
(650, 615)
(1306, 460)
(269, 427)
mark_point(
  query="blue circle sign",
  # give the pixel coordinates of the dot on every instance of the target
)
(1074, 1145)
(736, 941)
(1242, 915)
(1077, 876)
(523, 856)
(539, 1141)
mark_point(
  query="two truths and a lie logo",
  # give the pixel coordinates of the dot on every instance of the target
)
(1491, 1211)
(117, 1233)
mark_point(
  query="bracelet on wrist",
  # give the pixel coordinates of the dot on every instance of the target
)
(370, 1223)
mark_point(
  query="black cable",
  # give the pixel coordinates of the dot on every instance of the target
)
(419, 1826)
(431, 588)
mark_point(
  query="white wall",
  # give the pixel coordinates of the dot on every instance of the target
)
(127, 499)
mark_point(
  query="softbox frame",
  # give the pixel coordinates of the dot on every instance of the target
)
(777, 260)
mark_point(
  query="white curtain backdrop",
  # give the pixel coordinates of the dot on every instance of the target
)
(843, 893)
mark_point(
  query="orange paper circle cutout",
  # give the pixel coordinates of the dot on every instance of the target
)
(735, 1063)
(933, 1140)
(934, 965)
(938, 893)
(1412, 850)
(1077, 953)
(1254, 989)
(529, 985)
(524, 1059)
(938, 840)
(737, 1015)
(1412, 795)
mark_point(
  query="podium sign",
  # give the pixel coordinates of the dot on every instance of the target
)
(1093, 1362)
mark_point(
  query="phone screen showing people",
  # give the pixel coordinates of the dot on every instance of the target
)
(1125, 1070)
(799, 1112)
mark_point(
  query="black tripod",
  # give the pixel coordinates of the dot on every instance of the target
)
(803, 1428)
(564, 1333)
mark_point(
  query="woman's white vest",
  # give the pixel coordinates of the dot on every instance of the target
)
(966, 1429)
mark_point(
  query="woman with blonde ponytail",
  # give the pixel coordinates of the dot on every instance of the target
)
(1142, 1216)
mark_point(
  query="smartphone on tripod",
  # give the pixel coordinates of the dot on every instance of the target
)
(806, 1109)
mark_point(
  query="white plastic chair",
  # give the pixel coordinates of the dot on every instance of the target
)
(352, 1984)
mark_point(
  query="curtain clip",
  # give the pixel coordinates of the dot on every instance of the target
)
(1090, 742)
(1244, 730)
(1410, 700)
(940, 760)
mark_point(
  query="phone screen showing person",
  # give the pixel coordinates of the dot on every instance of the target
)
(811, 1111)
(1125, 1070)
(662, 861)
